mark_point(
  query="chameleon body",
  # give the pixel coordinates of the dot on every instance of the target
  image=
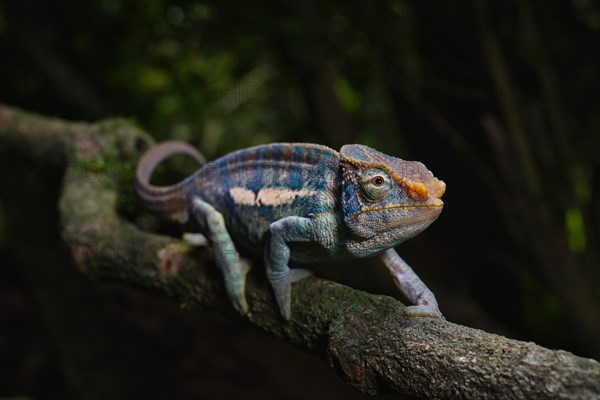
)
(301, 202)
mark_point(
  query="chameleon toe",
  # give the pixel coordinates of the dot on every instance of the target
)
(296, 274)
(283, 296)
(424, 311)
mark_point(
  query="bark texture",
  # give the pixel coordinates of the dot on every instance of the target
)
(367, 338)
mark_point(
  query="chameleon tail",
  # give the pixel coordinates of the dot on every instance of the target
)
(172, 199)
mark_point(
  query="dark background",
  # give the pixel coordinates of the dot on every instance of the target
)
(498, 99)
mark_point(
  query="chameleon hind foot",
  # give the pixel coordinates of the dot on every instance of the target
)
(282, 288)
(232, 266)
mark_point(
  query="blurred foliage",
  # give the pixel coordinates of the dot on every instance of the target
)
(3, 228)
(499, 99)
(16, 398)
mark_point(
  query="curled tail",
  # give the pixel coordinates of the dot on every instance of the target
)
(173, 199)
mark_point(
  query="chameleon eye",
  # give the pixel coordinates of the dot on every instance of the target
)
(378, 181)
(375, 184)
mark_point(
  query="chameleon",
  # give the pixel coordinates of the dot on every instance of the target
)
(300, 202)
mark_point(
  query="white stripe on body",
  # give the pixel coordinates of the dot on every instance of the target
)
(267, 196)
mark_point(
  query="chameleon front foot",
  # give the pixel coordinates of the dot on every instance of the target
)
(423, 311)
(282, 288)
(415, 291)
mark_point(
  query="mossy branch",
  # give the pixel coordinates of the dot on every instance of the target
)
(366, 337)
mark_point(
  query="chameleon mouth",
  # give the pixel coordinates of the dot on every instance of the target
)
(433, 204)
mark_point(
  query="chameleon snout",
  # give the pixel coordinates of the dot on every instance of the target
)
(437, 187)
(428, 192)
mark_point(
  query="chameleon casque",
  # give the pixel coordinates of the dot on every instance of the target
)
(301, 202)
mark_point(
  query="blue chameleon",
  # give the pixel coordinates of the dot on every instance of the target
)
(301, 202)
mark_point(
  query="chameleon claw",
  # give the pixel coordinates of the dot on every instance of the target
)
(282, 288)
(297, 274)
(424, 311)
(282, 291)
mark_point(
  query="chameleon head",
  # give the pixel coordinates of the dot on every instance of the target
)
(386, 197)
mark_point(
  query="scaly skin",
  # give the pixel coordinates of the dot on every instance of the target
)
(301, 202)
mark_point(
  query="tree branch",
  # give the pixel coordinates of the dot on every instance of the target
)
(366, 337)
